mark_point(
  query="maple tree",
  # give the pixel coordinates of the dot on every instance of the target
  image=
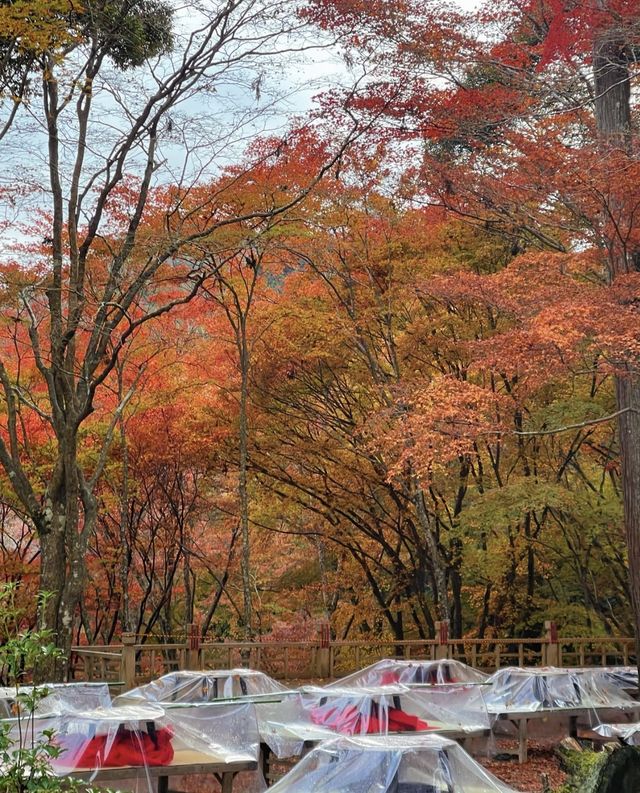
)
(377, 333)
(112, 249)
(517, 139)
(348, 395)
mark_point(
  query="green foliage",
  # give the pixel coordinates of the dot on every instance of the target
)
(506, 506)
(128, 31)
(615, 771)
(25, 755)
(583, 769)
(133, 32)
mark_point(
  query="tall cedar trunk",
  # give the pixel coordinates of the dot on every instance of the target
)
(628, 399)
(613, 118)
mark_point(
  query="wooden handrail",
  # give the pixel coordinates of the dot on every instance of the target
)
(135, 662)
(96, 653)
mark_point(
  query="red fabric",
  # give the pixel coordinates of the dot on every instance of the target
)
(351, 721)
(127, 748)
(399, 721)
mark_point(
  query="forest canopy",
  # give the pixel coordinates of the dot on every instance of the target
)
(380, 369)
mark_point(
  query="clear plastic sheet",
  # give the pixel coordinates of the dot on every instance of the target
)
(624, 677)
(317, 713)
(60, 698)
(393, 670)
(204, 686)
(138, 738)
(389, 764)
(516, 690)
(628, 733)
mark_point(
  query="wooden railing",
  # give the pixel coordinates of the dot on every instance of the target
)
(97, 663)
(133, 662)
(596, 652)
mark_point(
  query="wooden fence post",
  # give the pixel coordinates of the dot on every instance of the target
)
(128, 661)
(193, 648)
(552, 644)
(442, 639)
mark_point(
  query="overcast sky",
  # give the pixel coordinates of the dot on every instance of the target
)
(225, 121)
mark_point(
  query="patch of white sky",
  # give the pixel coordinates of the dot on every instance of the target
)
(207, 131)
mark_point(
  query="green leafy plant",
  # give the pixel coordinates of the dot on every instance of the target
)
(26, 752)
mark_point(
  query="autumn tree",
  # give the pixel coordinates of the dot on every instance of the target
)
(111, 248)
(529, 131)
(409, 348)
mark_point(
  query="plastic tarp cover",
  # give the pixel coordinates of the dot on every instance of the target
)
(629, 733)
(202, 686)
(317, 713)
(138, 737)
(389, 764)
(521, 690)
(59, 698)
(625, 677)
(391, 670)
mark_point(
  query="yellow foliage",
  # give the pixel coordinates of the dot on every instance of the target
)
(38, 26)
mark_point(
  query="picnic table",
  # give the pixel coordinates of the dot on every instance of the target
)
(399, 763)
(308, 736)
(521, 719)
(521, 695)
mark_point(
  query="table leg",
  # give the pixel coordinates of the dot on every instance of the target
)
(522, 740)
(227, 782)
(163, 784)
(265, 756)
(573, 726)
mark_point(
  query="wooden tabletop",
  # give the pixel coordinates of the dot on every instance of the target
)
(581, 711)
(185, 761)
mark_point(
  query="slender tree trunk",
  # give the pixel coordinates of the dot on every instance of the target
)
(187, 576)
(242, 483)
(125, 550)
(456, 594)
(438, 563)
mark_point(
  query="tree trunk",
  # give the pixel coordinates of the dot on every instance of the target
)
(613, 119)
(125, 550)
(438, 563)
(242, 483)
(628, 398)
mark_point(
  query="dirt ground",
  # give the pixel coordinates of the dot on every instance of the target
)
(530, 775)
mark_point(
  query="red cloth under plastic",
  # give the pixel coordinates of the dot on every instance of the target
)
(127, 748)
(351, 721)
